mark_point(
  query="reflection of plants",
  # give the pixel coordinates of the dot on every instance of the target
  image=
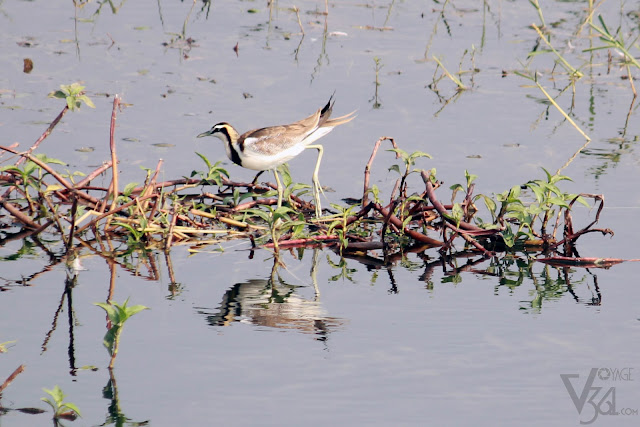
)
(534, 78)
(3, 346)
(280, 221)
(345, 272)
(118, 315)
(61, 409)
(340, 226)
(453, 78)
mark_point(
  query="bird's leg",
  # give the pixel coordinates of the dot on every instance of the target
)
(316, 183)
(255, 180)
(279, 185)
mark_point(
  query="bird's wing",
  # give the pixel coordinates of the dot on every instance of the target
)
(273, 139)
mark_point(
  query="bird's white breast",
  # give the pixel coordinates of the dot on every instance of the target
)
(259, 161)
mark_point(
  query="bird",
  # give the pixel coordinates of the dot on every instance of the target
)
(269, 147)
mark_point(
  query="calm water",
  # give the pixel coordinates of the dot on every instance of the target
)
(324, 340)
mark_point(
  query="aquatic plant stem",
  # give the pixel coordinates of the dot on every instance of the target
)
(367, 168)
(13, 210)
(573, 71)
(54, 174)
(94, 174)
(112, 147)
(45, 134)
(453, 78)
(9, 380)
(297, 11)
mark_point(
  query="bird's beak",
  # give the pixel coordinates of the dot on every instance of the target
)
(207, 133)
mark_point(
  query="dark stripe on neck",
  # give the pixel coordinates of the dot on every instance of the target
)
(235, 157)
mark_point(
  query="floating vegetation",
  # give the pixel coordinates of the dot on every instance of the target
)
(209, 208)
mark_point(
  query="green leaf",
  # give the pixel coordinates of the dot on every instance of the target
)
(110, 309)
(508, 237)
(400, 152)
(558, 202)
(457, 213)
(286, 175)
(406, 222)
(580, 200)
(50, 403)
(135, 310)
(9, 168)
(57, 395)
(109, 338)
(604, 26)
(206, 161)
(89, 103)
(129, 188)
(470, 177)
(395, 168)
(454, 190)
(514, 193)
(557, 178)
(489, 203)
(49, 160)
(538, 191)
(29, 167)
(57, 94)
(418, 154)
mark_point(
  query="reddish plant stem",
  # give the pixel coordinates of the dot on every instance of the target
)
(45, 134)
(411, 233)
(13, 210)
(93, 175)
(9, 380)
(248, 205)
(112, 148)
(440, 208)
(54, 174)
(473, 241)
(367, 168)
(570, 236)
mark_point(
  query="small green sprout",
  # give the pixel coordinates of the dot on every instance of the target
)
(61, 409)
(118, 315)
(74, 94)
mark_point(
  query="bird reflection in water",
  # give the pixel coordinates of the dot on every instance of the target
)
(275, 304)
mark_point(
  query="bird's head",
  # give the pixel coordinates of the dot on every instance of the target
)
(222, 130)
